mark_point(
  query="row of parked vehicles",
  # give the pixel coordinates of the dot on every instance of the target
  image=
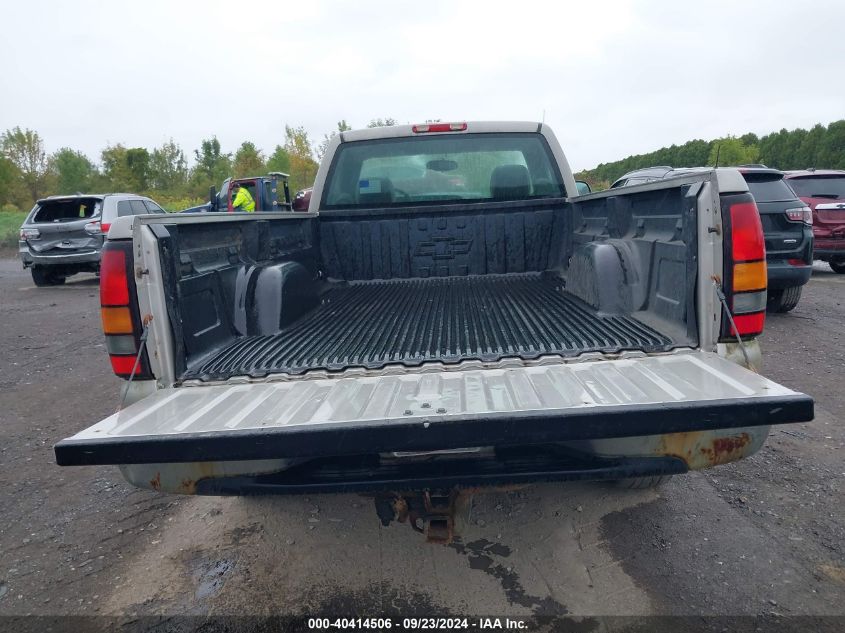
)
(796, 208)
(802, 213)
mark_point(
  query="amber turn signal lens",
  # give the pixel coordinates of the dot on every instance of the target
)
(116, 320)
(749, 276)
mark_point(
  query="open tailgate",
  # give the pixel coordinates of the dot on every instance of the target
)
(437, 410)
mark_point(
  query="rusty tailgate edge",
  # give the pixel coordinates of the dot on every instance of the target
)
(420, 433)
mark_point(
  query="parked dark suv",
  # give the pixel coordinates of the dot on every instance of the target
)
(787, 227)
(824, 191)
(63, 235)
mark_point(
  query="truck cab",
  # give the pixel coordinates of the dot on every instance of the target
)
(270, 192)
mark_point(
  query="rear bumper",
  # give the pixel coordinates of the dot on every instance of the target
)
(32, 258)
(515, 467)
(827, 250)
(829, 247)
(782, 274)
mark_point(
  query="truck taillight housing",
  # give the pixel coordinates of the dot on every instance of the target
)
(745, 267)
(118, 310)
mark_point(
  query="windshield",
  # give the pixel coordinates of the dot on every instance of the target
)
(441, 169)
(66, 210)
(768, 189)
(832, 187)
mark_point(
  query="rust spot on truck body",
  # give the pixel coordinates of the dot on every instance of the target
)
(155, 482)
(700, 449)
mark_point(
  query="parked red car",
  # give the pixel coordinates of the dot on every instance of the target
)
(823, 190)
(302, 199)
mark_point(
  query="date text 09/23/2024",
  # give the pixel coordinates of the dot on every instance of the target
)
(419, 623)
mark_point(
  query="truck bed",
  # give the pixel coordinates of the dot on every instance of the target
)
(412, 321)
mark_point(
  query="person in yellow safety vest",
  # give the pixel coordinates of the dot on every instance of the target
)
(243, 199)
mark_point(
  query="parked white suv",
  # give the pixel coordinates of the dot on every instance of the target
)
(63, 235)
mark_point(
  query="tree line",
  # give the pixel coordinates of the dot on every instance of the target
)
(822, 147)
(28, 172)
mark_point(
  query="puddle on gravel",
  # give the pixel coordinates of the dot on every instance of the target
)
(480, 555)
(211, 576)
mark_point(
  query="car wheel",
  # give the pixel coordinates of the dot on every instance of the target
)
(783, 300)
(641, 483)
(43, 276)
(838, 267)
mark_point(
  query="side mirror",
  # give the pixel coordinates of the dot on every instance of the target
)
(212, 198)
(583, 187)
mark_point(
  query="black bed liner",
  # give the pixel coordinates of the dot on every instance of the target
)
(412, 321)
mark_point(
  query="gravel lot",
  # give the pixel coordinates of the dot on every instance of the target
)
(762, 536)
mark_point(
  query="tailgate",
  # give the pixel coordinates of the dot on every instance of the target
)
(437, 410)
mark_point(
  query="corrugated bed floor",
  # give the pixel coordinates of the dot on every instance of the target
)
(413, 321)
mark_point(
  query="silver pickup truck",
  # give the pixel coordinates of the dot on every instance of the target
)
(448, 315)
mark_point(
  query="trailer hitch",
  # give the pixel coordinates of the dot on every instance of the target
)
(439, 515)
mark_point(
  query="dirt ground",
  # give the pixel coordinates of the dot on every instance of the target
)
(765, 536)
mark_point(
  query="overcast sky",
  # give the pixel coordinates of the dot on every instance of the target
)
(613, 78)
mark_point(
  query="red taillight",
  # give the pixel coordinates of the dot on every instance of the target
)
(119, 311)
(801, 214)
(745, 271)
(796, 262)
(424, 128)
(114, 280)
(749, 324)
(747, 233)
(104, 228)
(122, 365)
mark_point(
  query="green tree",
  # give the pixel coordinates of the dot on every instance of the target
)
(749, 139)
(774, 150)
(693, 153)
(808, 150)
(168, 169)
(126, 169)
(25, 149)
(831, 153)
(73, 170)
(303, 167)
(11, 184)
(279, 160)
(732, 151)
(386, 122)
(248, 161)
(342, 126)
(822, 147)
(212, 166)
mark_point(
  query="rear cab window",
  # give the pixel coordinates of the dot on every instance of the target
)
(443, 169)
(66, 210)
(152, 207)
(832, 187)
